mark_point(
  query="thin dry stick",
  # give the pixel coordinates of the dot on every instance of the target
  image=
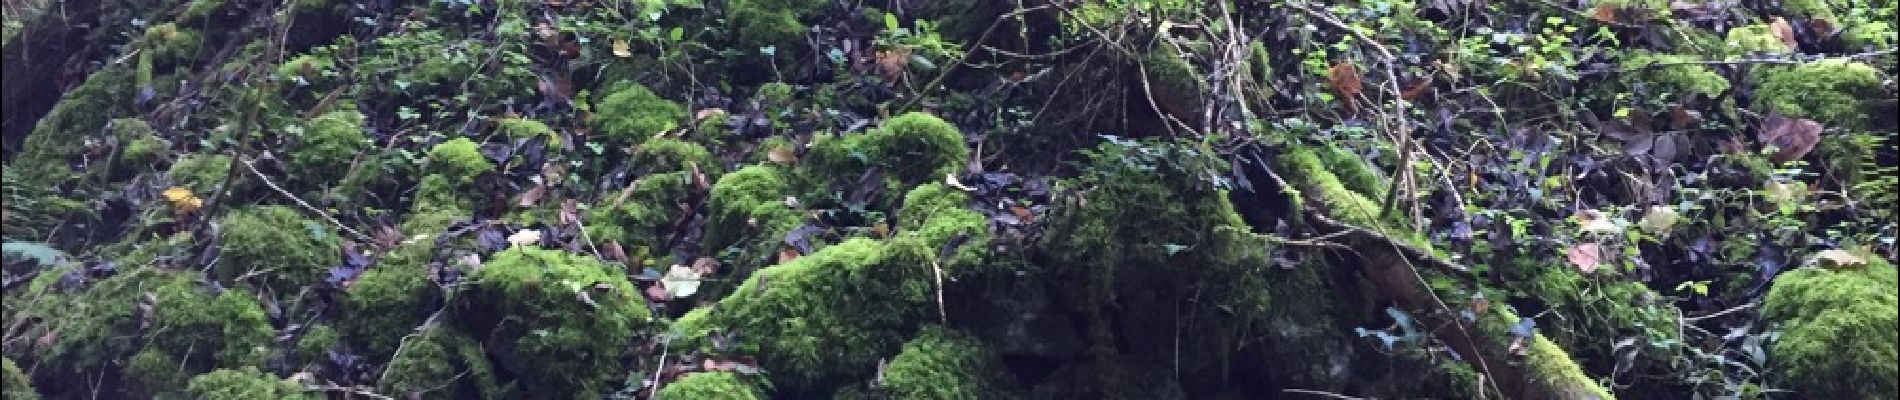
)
(306, 206)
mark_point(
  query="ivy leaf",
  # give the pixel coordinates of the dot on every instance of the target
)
(890, 22)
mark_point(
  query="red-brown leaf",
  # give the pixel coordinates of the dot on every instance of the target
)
(1345, 79)
(1784, 31)
(1794, 137)
(1605, 13)
(1586, 256)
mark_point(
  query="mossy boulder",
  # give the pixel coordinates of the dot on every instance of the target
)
(330, 142)
(15, 384)
(442, 363)
(157, 326)
(275, 246)
(46, 156)
(1758, 38)
(1675, 73)
(635, 113)
(649, 209)
(748, 201)
(940, 216)
(1837, 331)
(668, 154)
(246, 383)
(824, 319)
(943, 364)
(200, 172)
(710, 386)
(1831, 91)
(912, 148)
(558, 321)
(523, 128)
(452, 168)
(389, 300)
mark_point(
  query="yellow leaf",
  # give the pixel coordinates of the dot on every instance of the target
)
(622, 49)
(182, 199)
(1839, 258)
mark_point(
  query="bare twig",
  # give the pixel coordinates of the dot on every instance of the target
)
(1404, 170)
(306, 206)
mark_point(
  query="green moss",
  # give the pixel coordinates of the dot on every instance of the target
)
(276, 246)
(170, 44)
(937, 215)
(460, 159)
(200, 9)
(775, 95)
(1544, 360)
(15, 384)
(912, 148)
(635, 113)
(329, 143)
(668, 154)
(648, 211)
(441, 364)
(1172, 80)
(828, 317)
(201, 172)
(295, 69)
(246, 383)
(1872, 35)
(187, 330)
(1696, 79)
(1832, 91)
(941, 364)
(1316, 181)
(44, 157)
(142, 146)
(388, 301)
(523, 128)
(749, 200)
(710, 386)
(1818, 9)
(1758, 38)
(155, 372)
(713, 130)
(1837, 330)
(565, 318)
(760, 23)
(316, 342)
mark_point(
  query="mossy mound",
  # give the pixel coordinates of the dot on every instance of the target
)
(452, 168)
(1837, 331)
(560, 321)
(1674, 73)
(941, 218)
(1832, 91)
(912, 148)
(15, 384)
(649, 209)
(157, 326)
(942, 364)
(276, 247)
(635, 113)
(330, 142)
(246, 383)
(441, 363)
(710, 386)
(746, 202)
(202, 173)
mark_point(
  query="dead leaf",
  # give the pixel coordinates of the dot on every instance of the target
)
(1586, 256)
(1838, 259)
(1605, 13)
(951, 179)
(782, 155)
(1681, 118)
(613, 251)
(1479, 304)
(700, 183)
(1659, 219)
(622, 49)
(1345, 80)
(787, 255)
(705, 266)
(1795, 137)
(532, 197)
(705, 113)
(1593, 221)
(525, 237)
(1022, 213)
(658, 293)
(1822, 27)
(681, 281)
(570, 212)
(892, 63)
(1784, 31)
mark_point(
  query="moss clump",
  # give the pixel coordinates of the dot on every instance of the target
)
(1683, 78)
(45, 156)
(648, 211)
(523, 128)
(154, 371)
(1758, 38)
(389, 300)
(453, 166)
(441, 363)
(759, 23)
(246, 383)
(912, 148)
(15, 384)
(1872, 35)
(276, 246)
(306, 69)
(142, 146)
(774, 95)
(1837, 330)
(751, 199)
(1315, 179)
(201, 172)
(938, 215)
(564, 318)
(710, 386)
(168, 43)
(330, 143)
(634, 114)
(668, 154)
(941, 364)
(825, 318)
(1831, 91)
(1172, 80)
(189, 329)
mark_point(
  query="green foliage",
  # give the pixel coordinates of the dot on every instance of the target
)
(567, 316)
(170, 44)
(246, 383)
(1836, 331)
(913, 148)
(276, 246)
(747, 201)
(943, 364)
(15, 384)
(938, 215)
(1833, 91)
(635, 113)
(710, 386)
(1758, 38)
(523, 128)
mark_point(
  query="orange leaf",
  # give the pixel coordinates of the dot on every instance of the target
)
(1784, 31)
(1586, 256)
(1795, 137)
(1605, 13)
(787, 255)
(1023, 214)
(892, 63)
(1345, 79)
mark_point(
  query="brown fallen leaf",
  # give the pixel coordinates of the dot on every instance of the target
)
(1586, 256)
(705, 266)
(532, 197)
(782, 155)
(787, 255)
(658, 293)
(570, 212)
(1794, 137)
(613, 251)
(1023, 214)
(892, 63)
(1784, 31)
(1839, 259)
(705, 113)
(1822, 27)
(1604, 13)
(1681, 117)
(1345, 79)
(700, 183)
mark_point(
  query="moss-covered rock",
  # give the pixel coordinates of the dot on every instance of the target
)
(942, 364)
(452, 167)
(275, 246)
(170, 44)
(46, 156)
(635, 113)
(649, 210)
(668, 154)
(15, 384)
(523, 128)
(826, 318)
(1837, 330)
(747, 201)
(157, 326)
(912, 148)
(560, 321)
(940, 216)
(201, 172)
(1832, 91)
(246, 383)
(710, 386)
(1758, 38)
(330, 142)
(442, 363)
(760, 23)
